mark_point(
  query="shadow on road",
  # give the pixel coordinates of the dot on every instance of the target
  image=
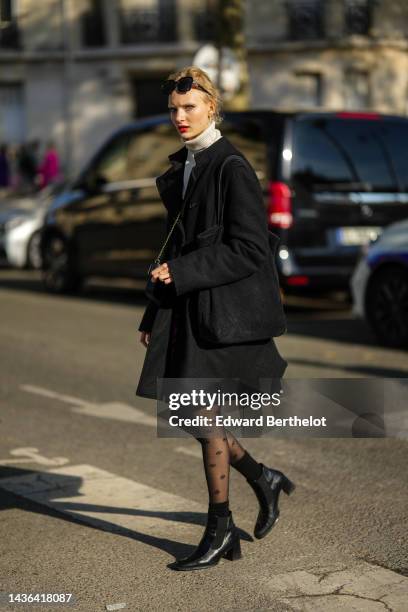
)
(18, 485)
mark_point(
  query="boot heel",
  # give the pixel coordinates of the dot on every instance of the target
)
(234, 553)
(288, 486)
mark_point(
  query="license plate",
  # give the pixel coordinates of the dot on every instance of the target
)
(357, 235)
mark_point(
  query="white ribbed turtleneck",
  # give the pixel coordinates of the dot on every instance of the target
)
(200, 142)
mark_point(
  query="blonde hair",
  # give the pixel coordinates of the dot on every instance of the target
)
(204, 80)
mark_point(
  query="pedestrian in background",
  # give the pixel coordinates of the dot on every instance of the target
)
(4, 167)
(170, 329)
(49, 169)
(27, 166)
(14, 176)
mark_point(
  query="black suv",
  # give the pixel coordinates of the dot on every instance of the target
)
(332, 181)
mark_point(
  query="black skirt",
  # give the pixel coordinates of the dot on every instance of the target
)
(247, 368)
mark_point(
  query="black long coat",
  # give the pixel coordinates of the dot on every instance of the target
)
(175, 349)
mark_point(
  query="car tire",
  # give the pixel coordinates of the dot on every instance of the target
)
(387, 306)
(34, 259)
(59, 274)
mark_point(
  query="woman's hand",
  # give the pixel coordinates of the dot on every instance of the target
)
(145, 338)
(162, 273)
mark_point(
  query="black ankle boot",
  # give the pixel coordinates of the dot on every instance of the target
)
(267, 489)
(220, 539)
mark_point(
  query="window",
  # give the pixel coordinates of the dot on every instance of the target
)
(147, 97)
(111, 167)
(5, 11)
(144, 22)
(249, 136)
(357, 16)
(350, 154)
(149, 149)
(205, 20)
(137, 155)
(305, 19)
(9, 33)
(356, 90)
(308, 90)
(392, 141)
(93, 25)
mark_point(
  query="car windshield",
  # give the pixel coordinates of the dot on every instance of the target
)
(351, 154)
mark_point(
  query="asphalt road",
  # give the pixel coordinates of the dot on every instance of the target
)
(94, 504)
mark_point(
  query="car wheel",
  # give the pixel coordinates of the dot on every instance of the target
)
(34, 259)
(58, 270)
(387, 307)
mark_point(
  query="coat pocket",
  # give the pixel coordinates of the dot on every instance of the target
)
(208, 236)
(205, 238)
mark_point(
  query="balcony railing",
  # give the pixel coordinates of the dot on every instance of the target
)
(357, 16)
(145, 25)
(305, 19)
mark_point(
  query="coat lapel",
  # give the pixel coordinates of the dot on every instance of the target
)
(202, 160)
(170, 184)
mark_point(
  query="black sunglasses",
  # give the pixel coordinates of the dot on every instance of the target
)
(183, 85)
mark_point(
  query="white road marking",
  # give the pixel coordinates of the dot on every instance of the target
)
(31, 455)
(116, 411)
(109, 501)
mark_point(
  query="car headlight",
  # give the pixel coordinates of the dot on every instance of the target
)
(15, 222)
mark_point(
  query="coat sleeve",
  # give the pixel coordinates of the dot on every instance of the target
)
(148, 318)
(245, 243)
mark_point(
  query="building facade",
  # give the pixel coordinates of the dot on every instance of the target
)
(329, 54)
(74, 70)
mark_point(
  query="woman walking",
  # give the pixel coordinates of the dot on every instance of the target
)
(171, 328)
(49, 169)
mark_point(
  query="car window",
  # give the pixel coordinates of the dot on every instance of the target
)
(139, 154)
(112, 165)
(144, 153)
(395, 135)
(149, 150)
(248, 135)
(350, 154)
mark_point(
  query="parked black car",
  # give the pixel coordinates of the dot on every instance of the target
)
(332, 181)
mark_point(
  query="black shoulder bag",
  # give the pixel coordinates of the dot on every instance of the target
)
(247, 309)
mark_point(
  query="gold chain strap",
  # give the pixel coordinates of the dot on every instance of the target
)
(158, 258)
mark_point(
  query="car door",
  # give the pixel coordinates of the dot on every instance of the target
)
(141, 216)
(96, 216)
(123, 218)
